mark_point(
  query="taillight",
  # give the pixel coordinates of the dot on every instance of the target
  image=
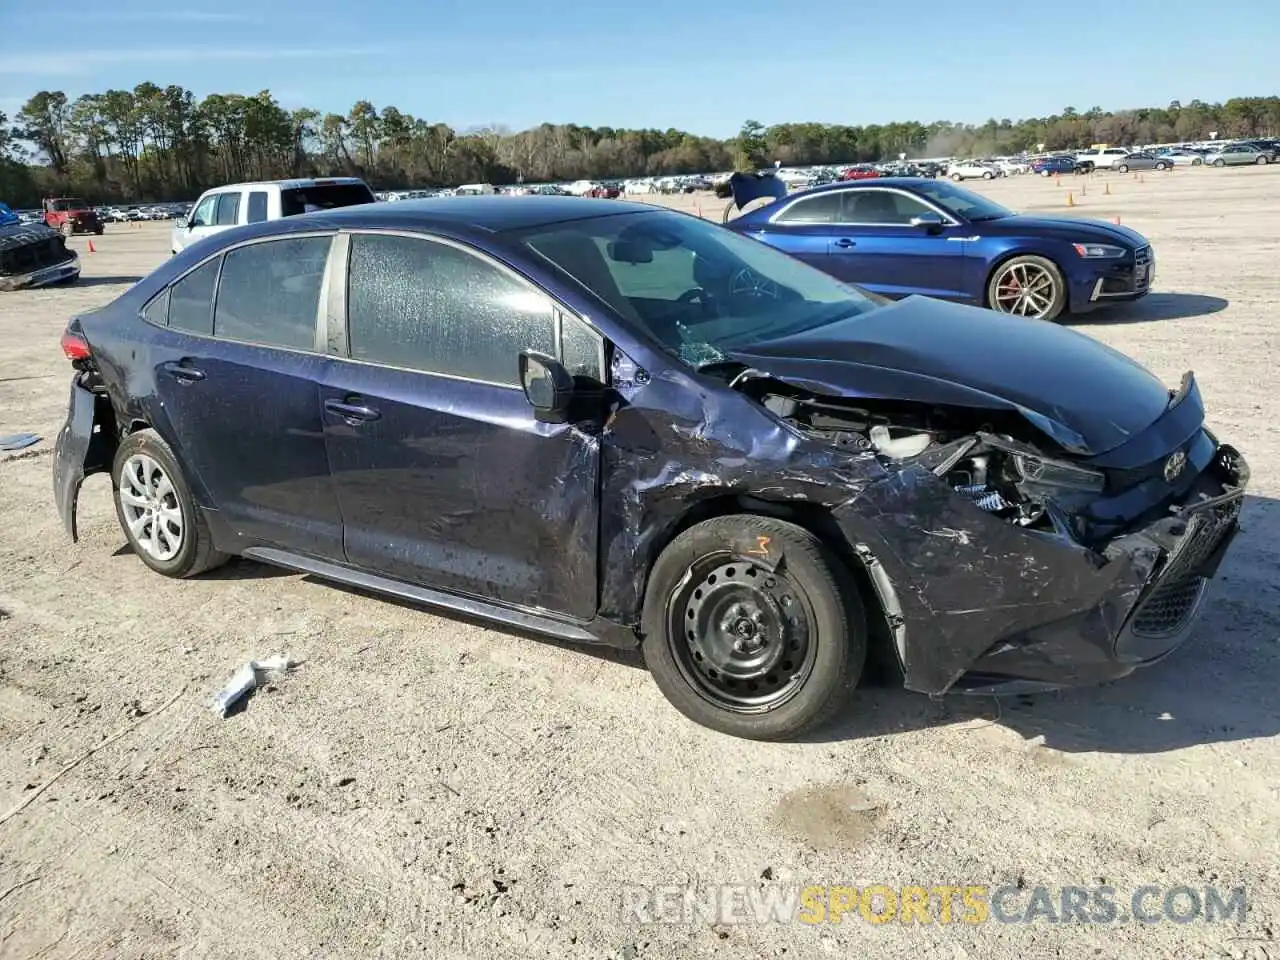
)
(75, 346)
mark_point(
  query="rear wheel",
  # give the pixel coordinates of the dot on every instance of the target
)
(1162, 165)
(1219, 162)
(956, 177)
(162, 523)
(1261, 160)
(67, 229)
(1123, 168)
(753, 627)
(987, 175)
(1028, 286)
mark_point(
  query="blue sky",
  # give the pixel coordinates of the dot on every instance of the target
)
(701, 66)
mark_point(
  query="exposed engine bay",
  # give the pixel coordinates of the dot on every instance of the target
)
(976, 452)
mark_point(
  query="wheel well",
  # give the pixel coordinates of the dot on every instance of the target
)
(882, 659)
(134, 426)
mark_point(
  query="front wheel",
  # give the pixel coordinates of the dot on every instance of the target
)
(1028, 286)
(956, 177)
(1162, 166)
(159, 518)
(67, 229)
(753, 627)
(987, 175)
(1261, 160)
(1219, 162)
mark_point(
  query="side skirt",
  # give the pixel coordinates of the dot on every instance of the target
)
(470, 606)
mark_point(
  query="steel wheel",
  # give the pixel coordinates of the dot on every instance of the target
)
(1025, 290)
(741, 636)
(150, 506)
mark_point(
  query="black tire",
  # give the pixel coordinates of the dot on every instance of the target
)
(1219, 162)
(1262, 160)
(99, 230)
(1059, 303)
(987, 175)
(810, 610)
(1122, 168)
(1162, 166)
(67, 229)
(956, 177)
(196, 553)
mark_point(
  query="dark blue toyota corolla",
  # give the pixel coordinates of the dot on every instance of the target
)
(901, 236)
(610, 423)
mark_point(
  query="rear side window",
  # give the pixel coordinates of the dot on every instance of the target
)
(191, 300)
(269, 292)
(257, 207)
(429, 306)
(228, 208)
(325, 196)
(823, 208)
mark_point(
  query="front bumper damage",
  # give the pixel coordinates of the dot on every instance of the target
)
(977, 605)
(43, 277)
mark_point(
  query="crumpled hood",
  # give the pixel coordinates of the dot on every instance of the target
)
(1083, 394)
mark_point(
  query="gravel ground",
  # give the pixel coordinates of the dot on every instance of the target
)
(427, 786)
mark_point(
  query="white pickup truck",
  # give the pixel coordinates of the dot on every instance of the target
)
(239, 203)
(1103, 159)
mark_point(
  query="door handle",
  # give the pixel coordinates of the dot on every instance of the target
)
(182, 371)
(846, 243)
(352, 410)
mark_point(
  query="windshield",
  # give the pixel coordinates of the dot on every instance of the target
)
(70, 203)
(324, 196)
(697, 288)
(961, 202)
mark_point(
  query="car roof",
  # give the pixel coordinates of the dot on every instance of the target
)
(290, 184)
(493, 214)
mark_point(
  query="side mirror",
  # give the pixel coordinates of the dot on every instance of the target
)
(548, 386)
(929, 220)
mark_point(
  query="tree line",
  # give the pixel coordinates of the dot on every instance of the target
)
(156, 143)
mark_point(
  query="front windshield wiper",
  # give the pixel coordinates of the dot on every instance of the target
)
(987, 217)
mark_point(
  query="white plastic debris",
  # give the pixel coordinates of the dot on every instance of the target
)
(246, 679)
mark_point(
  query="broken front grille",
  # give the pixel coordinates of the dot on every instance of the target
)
(34, 256)
(1171, 604)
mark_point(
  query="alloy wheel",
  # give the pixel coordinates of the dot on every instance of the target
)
(151, 509)
(1025, 290)
(742, 636)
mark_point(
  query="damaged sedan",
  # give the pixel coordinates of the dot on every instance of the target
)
(608, 423)
(34, 255)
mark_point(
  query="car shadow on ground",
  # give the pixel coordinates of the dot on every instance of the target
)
(1154, 306)
(104, 281)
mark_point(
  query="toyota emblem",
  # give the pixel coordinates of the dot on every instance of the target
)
(1174, 466)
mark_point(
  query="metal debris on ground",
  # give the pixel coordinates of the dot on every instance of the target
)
(18, 441)
(246, 679)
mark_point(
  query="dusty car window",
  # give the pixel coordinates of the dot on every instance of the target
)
(433, 307)
(580, 348)
(269, 292)
(695, 287)
(228, 208)
(191, 299)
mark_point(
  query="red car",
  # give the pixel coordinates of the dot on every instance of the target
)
(70, 215)
(860, 172)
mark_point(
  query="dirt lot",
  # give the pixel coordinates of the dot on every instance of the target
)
(425, 786)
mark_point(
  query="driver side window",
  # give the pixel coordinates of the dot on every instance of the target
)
(203, 216)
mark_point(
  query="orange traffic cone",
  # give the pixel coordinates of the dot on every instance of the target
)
(91, 250)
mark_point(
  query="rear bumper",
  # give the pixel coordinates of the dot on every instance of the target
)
(977, 604)
(85, 445)
(43, 276)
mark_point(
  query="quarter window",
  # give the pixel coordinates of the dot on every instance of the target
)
(269, 292)
(881, 207)
(157, 309)
(228, 209)
(580, 348)
(430, 306)
(191, 300)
